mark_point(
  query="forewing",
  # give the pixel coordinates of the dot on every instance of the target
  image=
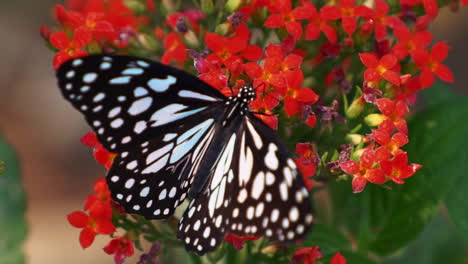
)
(128, 100)
(255, 189)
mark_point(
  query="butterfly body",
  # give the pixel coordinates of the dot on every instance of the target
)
(176, 136)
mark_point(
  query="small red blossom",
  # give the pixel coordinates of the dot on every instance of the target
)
(175, 49)
(430, 6)
(121, 248)
(388, 142)
(348, 14)
(264, 105)
(398, 169)
(98, 222)
(380, 20)
(394, 111)
(92, 21)
(102, 194)
(230, 50)
(288, 17)
(409, 42)
(306, 255)
(239, 241)
(318, 22)
(383, 68)
(307, 162)
(69, 48)
(430, 64)
(363, 171)
(191, 15)
(101, 155)
(274, 66)
(294, 95)
(338, 259)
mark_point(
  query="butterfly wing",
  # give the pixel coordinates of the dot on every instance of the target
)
(128, 100)
(154, 177)
(159, 120)
(255, 189)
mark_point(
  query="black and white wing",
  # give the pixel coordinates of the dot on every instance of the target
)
(255, 189)
(128, 100)
(158, 119)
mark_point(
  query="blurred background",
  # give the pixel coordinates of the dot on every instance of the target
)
(58, 172)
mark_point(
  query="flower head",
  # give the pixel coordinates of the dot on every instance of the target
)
(121, 248)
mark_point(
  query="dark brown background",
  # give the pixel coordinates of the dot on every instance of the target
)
(58, 171)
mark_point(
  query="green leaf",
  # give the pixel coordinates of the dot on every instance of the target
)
(456, 201)
(12, 208)
(435, 136)
(328, 239)
(438, 94)
(438, 244)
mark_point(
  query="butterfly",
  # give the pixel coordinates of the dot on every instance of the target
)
(176, 137)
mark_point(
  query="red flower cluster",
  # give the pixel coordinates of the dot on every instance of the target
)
(92, 24)
(383, 159)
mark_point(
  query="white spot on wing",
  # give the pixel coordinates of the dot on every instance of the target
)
(257, 139)
(195, 95)
(140, 106)
(120, 80)
(90, 77)
(161, 85)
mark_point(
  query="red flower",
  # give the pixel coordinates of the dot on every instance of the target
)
(191, 15)
(101, 155)
(363, 171)
(121, 247)
(287, 17)
(318, 22)
(338, 259)
(430, 6)
(174, 49)
(381, 21)
(409, 42)
(395, 111)
(98, 222)
(398, 169)
(390, 143)
(239, 241)
(383, 68)
(307, 163)
(349, 14)
(307, 255)
(116, 13)
(102, 194)
(294, 95)
(93, 22)
(69, 48)
(430, 64)
(227, 50)
(264, 104)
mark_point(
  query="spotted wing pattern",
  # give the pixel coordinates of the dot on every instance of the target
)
(128, 100)
(255, 189)
(139, 109)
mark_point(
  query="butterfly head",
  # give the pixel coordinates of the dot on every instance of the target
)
(246, 94)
